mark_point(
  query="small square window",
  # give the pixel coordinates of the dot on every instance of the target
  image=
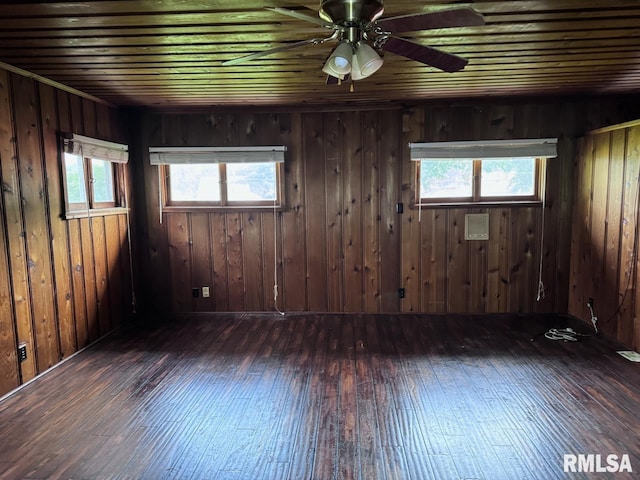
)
(446, 179)
(508, 177)
(89, 183)
(251, 182)
(194, 183)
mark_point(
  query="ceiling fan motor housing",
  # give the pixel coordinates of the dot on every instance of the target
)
(347, 11)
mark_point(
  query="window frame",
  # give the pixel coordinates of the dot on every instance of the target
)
(476, 197)
(91, 207)
(223, 203)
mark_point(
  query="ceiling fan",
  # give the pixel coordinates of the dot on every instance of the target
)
(362, 33)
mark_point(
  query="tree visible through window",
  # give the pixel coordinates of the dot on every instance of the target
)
(89, 183)
(223, 184)
(467, 180)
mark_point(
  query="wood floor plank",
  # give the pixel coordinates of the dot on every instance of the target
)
(347, 396)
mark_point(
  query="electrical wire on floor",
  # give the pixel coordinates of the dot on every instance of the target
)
(568, 334)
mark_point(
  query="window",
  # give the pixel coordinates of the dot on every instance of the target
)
(91, 169)
(504, 179)
(490, 171)
(215, 177)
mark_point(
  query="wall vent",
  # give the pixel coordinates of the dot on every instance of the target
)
(476, 226)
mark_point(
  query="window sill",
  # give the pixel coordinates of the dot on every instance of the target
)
(491, 204)
(97, 212)
(221, 209)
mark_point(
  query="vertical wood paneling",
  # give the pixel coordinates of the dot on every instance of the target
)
(234, 262)
(116, 275)
(459, 283)
(390, 158)
(47, 262)
(477, 274)
(614, 202)
(201, 261)
(36, 227)
(180, 260)
(371, 213)
(411, 254)
(219, 257)
(155, 261)
(77, 279)
(498, 266)
(433, 268)
(9, 371)
(599, 215)
(342, 246)
(89, 278)
(334, 128)
(127, 268)
(12, 207)
(628, 280)
(313, 144)
(102, 275)
(293, 223)
(252, 261)
(272, 252)
(352, 246)
(604, 249)
(59, 233)
(630, 332)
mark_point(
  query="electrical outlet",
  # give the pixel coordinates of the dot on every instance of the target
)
(399, 208)
(401, 293)
(205, 292)
(195, 292)
(22, 352)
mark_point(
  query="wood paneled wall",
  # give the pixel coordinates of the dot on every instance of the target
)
(63, 284)
(604, 243)
(340, 244)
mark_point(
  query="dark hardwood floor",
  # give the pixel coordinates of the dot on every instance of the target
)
(252, 396)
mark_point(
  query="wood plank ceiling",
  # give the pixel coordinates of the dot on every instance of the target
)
(168, 53)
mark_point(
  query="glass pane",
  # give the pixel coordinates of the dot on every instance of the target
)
(508, 177)
(74, 174)
(102, 180)
(195, 183)
(251, 181)
(446, 178)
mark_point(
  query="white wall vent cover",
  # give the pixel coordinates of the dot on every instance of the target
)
(476, 226)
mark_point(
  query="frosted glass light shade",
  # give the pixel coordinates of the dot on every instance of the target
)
(369, 62)
(339, 63)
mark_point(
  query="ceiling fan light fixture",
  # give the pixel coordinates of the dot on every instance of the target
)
(356, 71)
(339, 63)
(367, 59)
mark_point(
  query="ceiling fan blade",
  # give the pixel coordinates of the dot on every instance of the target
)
(301, 16)
(427, 55)
(281, 48)
(458, 17)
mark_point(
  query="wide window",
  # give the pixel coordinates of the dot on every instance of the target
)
(499, 172)
(91, 169)
(215, 177)
(511, 179)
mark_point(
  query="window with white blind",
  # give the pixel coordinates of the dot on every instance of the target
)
(219, 177)
(480, 172)
(92, 170)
